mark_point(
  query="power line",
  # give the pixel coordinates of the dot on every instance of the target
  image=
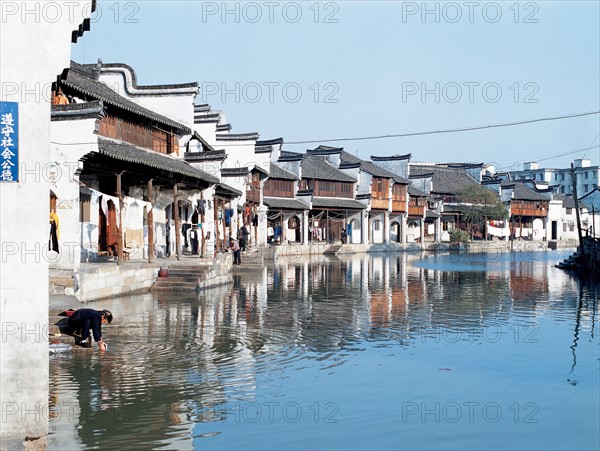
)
(454, 130)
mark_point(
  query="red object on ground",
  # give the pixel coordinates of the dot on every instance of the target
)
(163, 272)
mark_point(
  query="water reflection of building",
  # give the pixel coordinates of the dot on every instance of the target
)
(177, 361)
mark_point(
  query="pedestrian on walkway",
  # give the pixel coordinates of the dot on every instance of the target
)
(234, 247)
(194, 240)
(245, 234)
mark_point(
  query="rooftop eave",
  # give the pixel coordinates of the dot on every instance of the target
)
(270, 142)
(408, 156)
(237, 137)
(134, 90)
(77, 111)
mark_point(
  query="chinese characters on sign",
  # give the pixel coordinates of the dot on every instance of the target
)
(9, 142)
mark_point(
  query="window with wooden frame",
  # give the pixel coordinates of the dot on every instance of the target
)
(279, 188)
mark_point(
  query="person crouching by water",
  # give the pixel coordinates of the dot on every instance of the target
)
(85, 319)
(234, 247)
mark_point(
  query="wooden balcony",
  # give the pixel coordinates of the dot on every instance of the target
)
(380, 204)
(416, 210)
(398, 206)
(535, 212)
(253, 195)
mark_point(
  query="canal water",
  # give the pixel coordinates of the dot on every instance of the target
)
(402, 351)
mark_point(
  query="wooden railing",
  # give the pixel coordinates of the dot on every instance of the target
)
(416, 210)
(380, 204)
(536, 212)
(398, 205)
(253, 195)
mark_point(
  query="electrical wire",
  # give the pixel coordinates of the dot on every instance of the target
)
(453, 130)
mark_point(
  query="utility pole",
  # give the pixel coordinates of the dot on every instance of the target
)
(574, 182)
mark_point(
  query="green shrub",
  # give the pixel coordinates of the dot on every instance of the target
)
(459, 236)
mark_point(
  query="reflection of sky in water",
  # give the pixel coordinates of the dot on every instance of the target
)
(379, 352)
(488, 261)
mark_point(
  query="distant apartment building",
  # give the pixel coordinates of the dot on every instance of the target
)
(588, 176)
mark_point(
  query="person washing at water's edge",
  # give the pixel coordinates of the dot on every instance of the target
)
(82, 320)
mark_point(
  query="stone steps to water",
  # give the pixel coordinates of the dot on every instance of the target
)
(571, 262)
(333, 249)
(186, 277)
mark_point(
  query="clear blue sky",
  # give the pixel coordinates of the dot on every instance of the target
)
(375, 59)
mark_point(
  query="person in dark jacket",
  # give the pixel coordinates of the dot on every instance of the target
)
(85, 319)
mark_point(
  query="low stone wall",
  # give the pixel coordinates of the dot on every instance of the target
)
(475, 246)
(101, 281)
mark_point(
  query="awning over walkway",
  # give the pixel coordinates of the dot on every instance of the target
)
(277, 203)
(337, 203)
(132, 154)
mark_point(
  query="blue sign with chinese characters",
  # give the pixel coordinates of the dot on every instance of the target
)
(9, 142)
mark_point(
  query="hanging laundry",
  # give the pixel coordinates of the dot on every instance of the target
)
(202, 206)
(94, 197)
(228, 216)
(54, 232)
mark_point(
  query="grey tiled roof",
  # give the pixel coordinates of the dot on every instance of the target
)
(284, 203)
(72, 111)
(314, 167)
(277, 172)
(412, 191)
(237, 136)
(445, 180)
(371, 168)
(201, 118)
(567, 201)
(263, 149)
(269, 142)
(223, 188)
(408, 156)
(81, 80)
(207, 155)
(224, 128)
(337, 202)
(286, 155)
(132, 154)
(523, 192)
(234, 172)
(323, 150)
(106, 67)
(201, 107)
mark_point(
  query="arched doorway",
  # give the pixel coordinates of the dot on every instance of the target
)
(294, 229)
(376, 231)
(414, 231)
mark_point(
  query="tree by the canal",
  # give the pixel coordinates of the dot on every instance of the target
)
(480, 204)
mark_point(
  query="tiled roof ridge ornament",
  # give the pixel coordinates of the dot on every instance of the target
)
(98, 68)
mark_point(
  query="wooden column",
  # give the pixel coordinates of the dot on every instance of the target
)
(224, 242)
(255, 213)
(216, 222)
(120, 226)
(177, 223)
(151, 250)
(202, 229)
